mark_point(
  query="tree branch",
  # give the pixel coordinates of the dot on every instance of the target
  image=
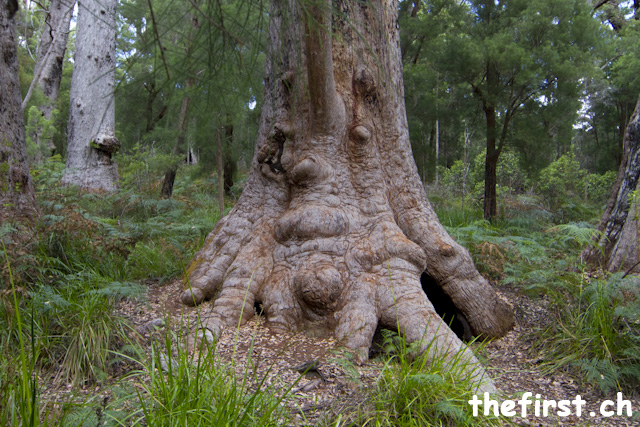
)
(601, 3)
(155, 30)
(215, 24)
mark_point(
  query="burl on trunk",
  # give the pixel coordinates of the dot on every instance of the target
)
(333, 229)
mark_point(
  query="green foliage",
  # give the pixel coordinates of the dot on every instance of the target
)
(40, 133)
(598, 334)
(511, 176)
(562, 179)
(21, 392)
(208, 55)
(537, 54)
(594, 332)
(578, 235)
(570, 191)
(154, 261)
(86, 252)
(453, 178)
(196, 389)
(79, 327)
(142, 167)
(599, 186)
(422, 392)
(453, 212)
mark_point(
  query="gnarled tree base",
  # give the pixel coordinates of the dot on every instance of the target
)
(333, 230)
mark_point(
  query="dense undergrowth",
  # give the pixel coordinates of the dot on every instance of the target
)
(594, 326)
(61, 281)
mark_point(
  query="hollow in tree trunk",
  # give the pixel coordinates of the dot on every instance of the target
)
(617, 247)
(17, 198)
(333, 230)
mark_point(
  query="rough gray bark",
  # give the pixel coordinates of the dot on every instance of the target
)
(17, 198)
(333, 229)
(51, 50)
(50, 59)
(617, 247)
(91, 129)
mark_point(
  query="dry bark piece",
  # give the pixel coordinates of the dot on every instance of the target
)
(334, 230)
(150, 326)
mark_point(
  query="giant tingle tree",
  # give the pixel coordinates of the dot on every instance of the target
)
(333, 230)
(91, 140)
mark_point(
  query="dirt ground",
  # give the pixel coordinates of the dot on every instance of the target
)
(337, 385)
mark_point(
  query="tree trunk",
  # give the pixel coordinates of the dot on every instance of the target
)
(333, 229)
(91, 139)
(491, 159)
(437, 150)
(170, 176)
(51, 50)
(49, 64)
(617, 247)
(220, 174)
(17, 198)
(437, 130)
(229, 167)
(491, 168)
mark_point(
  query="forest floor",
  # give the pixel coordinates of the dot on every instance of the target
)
(93, 256)
(338, 386)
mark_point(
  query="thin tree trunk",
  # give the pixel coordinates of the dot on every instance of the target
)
(465, 173)
(437, 130)
(150, 119)
(229, 166)
(491, 159)
(91, 129)
(491, 167)
(333, 230)
(432, 148)
(425, 147)
(220, 174)
(437, 150)
(170, 176)
(17, 197)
